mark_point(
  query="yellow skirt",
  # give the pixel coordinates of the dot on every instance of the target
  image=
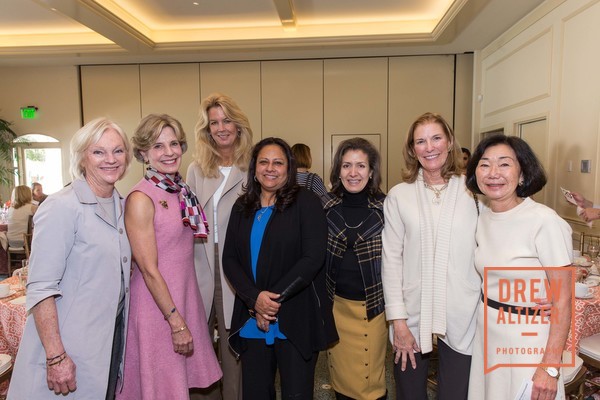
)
(357, 361)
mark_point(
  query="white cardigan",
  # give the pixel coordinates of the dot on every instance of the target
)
(402, 264)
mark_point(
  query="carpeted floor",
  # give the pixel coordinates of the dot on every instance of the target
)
(323, 390)
(592, 391)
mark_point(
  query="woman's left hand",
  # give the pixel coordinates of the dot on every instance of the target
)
(544, 386)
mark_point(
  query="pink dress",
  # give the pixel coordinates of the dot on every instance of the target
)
(152, 369)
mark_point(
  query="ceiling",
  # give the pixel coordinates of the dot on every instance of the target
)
(76, 32)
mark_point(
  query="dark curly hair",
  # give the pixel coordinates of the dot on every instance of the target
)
(532, 171)
(286, 195)
(373, 156)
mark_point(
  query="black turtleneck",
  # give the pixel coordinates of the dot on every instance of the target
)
(349, 281)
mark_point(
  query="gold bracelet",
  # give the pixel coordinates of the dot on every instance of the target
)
(179, 330)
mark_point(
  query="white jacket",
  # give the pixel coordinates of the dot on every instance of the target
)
(402, 259)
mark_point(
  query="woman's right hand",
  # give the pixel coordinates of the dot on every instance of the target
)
(61, 376)
(183, 342)
(581, 201)
(266, 305)
(404, 344)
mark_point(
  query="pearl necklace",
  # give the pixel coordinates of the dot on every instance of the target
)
(437, 199)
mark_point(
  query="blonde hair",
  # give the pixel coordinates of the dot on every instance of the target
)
(149, 129)
(21, 196)
(453, 164)
(207, 155)
(88, 135)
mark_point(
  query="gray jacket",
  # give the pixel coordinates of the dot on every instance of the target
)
(78, 256)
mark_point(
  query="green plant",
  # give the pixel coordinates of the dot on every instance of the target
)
(7, 137)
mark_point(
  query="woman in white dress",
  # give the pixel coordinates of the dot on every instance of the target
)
(520, 236)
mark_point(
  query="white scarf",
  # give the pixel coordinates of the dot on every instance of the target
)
(434, 261)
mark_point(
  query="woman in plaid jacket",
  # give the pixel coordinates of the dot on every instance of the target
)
(355, 219)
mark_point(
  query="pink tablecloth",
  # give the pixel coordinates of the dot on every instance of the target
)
(587, 319)
(12, 322)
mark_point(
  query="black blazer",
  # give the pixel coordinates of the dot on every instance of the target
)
(292, 257)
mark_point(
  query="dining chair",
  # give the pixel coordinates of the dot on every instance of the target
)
(27, 238)
(574, 377)
(15, 256)
(589, 351)
(6, 371)
(586, 240)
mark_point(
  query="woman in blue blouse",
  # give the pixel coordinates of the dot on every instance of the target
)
(273, 256)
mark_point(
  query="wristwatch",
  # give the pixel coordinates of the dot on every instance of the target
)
(553, 372)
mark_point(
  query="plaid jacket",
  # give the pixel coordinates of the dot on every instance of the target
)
(367, 249)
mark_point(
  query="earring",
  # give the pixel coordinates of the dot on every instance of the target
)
(521, 182)
(255, 180)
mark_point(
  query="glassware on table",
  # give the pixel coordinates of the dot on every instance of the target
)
(593, 250)
(23, 273)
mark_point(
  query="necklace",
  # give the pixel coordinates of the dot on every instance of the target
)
(436, 200)
(357, 226)
(262, 212)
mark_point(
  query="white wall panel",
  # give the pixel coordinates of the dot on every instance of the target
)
(521, 76)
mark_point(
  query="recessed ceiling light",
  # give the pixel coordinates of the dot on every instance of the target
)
(196, 3)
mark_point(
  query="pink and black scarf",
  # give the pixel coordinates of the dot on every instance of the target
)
(191, 211)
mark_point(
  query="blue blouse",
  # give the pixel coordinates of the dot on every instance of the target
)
(250, 329)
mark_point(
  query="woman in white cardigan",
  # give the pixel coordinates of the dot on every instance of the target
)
(430, 284)
(223, 144)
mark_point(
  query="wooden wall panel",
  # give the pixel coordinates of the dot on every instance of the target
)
(292, 104)
(240, 81)
(173, 89)
(114, 92)
(417, 85)
(355, 102)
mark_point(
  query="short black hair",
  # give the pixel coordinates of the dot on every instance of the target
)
(532, 170)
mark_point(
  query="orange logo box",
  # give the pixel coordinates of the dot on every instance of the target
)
(515, 291)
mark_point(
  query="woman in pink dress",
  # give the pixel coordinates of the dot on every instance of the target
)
(168, 346)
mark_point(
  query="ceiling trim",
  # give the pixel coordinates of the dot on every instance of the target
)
(287, 15)
(99, 19)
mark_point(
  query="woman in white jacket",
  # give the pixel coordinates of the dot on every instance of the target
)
(223, 144)
(430, 284)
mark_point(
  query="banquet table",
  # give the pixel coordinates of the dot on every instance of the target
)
(587, 319)
(12, 322)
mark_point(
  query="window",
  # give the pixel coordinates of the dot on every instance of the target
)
(38, 158)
